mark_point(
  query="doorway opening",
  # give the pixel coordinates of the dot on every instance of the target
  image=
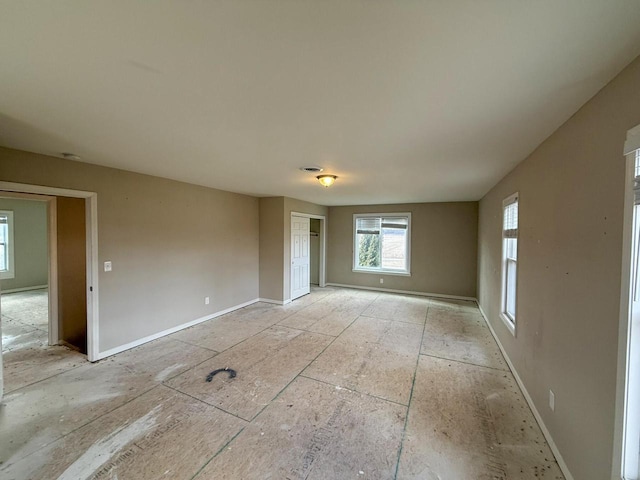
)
(24, 241)
(72, 296)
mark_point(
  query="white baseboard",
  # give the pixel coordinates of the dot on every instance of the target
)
(25, 289)
(275, 302)
(406, 292)
(536, 414)
(169, 331)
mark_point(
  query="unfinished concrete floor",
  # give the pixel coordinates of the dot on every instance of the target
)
(338, 384)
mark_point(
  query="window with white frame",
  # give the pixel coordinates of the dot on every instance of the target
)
(382, 243)
(7, 269)
(509, 259)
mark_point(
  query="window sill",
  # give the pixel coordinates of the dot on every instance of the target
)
(7, 275)
(382, 272)
(510, 325)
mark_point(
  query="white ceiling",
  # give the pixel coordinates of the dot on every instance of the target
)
(406, 101)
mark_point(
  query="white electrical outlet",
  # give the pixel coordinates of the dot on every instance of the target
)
(382, 280)
(107, 266)
(206, 300)
(552, 401)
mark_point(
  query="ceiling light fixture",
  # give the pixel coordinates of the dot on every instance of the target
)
(326, 180)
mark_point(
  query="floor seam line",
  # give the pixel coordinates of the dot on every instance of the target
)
(218, 453)
(413, 384)
(353, 390)
(190, 368)
(52, 376)
(297, 375)
(464, 363)
(206, 403)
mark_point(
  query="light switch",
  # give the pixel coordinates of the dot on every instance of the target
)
(107, 266)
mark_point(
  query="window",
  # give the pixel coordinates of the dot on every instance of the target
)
(382, 243)
(6, 244)
(509, 260)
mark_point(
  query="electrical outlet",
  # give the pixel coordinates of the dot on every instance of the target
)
(206, 300)
(107, 266)
(552, 401)
(382, 280)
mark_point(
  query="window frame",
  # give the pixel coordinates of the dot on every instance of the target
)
(509, 321)
(378, 271)
(11, 271)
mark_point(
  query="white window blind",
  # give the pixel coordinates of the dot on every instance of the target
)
(368, 226)
(510, 226)
(636, 182)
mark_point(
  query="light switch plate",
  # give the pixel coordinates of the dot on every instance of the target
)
(107, 266)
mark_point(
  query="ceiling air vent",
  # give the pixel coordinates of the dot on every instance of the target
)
(311, 169)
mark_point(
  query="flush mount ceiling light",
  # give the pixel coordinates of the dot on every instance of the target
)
(326, 180)
(313, 169)
(70, 156)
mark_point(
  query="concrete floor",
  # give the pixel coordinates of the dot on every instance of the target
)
(338, 384)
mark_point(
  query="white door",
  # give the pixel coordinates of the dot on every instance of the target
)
(299, 256)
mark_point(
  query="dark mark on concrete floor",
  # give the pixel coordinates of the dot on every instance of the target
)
(232, 373)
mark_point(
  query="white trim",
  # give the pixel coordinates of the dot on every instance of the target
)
(25, 289)
(525, 393)
(624, 337)
(93, 312)
(405, 292)
(511, 326)
(275, 302)
(509, 322)
(169, 331)
(91, 212)
(52, 267)
(10, 272)
(322, 265)
(381, 271)
(633, 140)
(52, 257)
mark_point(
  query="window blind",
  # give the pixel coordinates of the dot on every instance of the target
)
(510, 226)
(636, 181)
(399, 223)
(369, 226)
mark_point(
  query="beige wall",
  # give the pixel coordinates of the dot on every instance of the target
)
(443, 248)
(271, 252)
(30, 243)
(569, 271)
(275, 243)
(171, 244)
(72, 265)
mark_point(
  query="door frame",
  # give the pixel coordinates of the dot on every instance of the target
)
(322, 280)
(52, 257)
(91, 221)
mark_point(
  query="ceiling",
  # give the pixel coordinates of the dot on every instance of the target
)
(406, 101)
